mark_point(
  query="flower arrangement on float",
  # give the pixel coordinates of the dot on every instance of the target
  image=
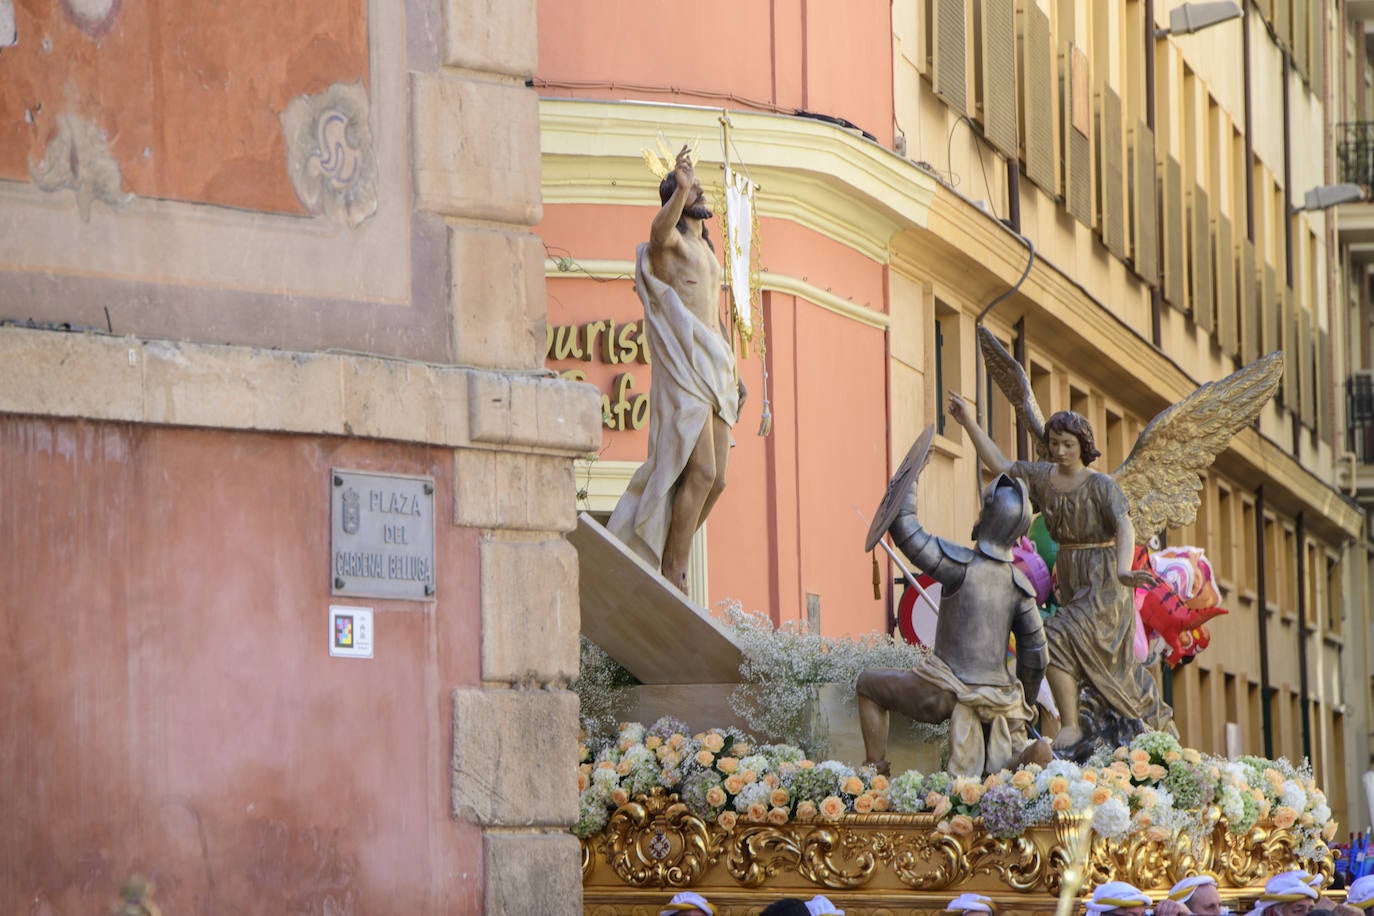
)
(1153, 786)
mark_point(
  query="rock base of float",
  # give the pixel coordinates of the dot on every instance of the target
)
(639, 619)
(707, 706)
(884, 864)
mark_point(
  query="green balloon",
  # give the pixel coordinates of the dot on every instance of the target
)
(1045, 545)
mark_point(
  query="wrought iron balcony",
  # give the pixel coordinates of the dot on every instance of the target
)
(1359, 412)
(1355, 152)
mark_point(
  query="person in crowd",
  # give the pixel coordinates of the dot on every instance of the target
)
(688, 904)
(1197, 895)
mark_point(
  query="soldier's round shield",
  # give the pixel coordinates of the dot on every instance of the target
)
(897, 488)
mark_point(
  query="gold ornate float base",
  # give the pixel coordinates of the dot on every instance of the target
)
(890, 864)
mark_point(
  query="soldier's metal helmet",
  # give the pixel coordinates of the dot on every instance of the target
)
(1005, 517)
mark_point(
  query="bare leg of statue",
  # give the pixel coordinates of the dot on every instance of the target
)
(693, 497)
(1064, 686)
(898, 690)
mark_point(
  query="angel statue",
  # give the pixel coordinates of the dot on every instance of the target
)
(1098, 518)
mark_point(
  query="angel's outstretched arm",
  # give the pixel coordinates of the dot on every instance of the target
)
(987, 450)
(1125, 554)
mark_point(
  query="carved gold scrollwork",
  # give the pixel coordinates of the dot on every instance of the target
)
(818, 863)
(1017, 861)
(588, 857)
(1240, 863)
(927, 860)
(656, 840)
(1138, 859)
(756, 853)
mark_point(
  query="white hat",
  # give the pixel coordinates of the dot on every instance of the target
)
(1115, 895)
(1361, 893)
(819, 905)
(686, 902)
(1183, 890)
(971, 903)
(1285, 888)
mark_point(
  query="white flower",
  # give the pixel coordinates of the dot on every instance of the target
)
(750, 794)
(756, 762)
(1292, 795)
(632, 732)
(1112, 818)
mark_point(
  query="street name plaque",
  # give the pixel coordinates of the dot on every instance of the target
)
(381, 535)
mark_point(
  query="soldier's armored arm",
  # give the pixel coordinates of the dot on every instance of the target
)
(942, 561)
(1032, 651)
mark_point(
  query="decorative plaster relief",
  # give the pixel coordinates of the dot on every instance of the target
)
(329, 153)
(77, 158)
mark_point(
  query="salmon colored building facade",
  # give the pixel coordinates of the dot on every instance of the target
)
(783, 537)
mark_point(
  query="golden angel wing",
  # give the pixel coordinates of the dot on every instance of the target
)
(1161, 476)
(1011, 378)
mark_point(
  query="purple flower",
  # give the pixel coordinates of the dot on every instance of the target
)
(1004, 812)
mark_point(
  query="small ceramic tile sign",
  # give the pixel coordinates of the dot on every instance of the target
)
(350, 631)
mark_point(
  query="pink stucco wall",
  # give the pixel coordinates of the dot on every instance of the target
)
(172, 706)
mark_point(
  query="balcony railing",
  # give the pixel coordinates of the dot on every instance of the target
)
(1359, 411)
(1355, 152)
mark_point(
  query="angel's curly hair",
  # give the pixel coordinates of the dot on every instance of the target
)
(1076, 425)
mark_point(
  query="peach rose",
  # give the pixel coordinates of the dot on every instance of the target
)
(749, 777)
(941, 806)
(1274, 778)
(1101, 794)
(653, 742)
(742, 749)
(1120, 753)
(1172, 756)
(961, 825)
(942, 827)
(806, 764)
(1058, 785)
(969, 794)
(1284, 817)
(758, 813)
(727, 819)
(715, 796)
(1329, 831)
(676, 741)
(1022, 779)
(881, 803)
(706, 758)
(1061, 802)
(806, 810)
(777, 816)
(771, 780)
(582, 782)
(832, 808)
(1090, 776)
(779, 798)
(1140, 770)
(879, 783)
(1157, 772)
(605, 765)
(1156, 834)
(852, 786)
(727, 765)
(585, 768)
(1192, 755)
(1306, 819)
(713, 742)
(620, 797)
(1142, 819)
(734, 785)
(1139, 755)
(864, 803)
(623, 768)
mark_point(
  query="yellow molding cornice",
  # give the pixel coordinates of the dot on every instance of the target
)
(814, 174)
(609, 269)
